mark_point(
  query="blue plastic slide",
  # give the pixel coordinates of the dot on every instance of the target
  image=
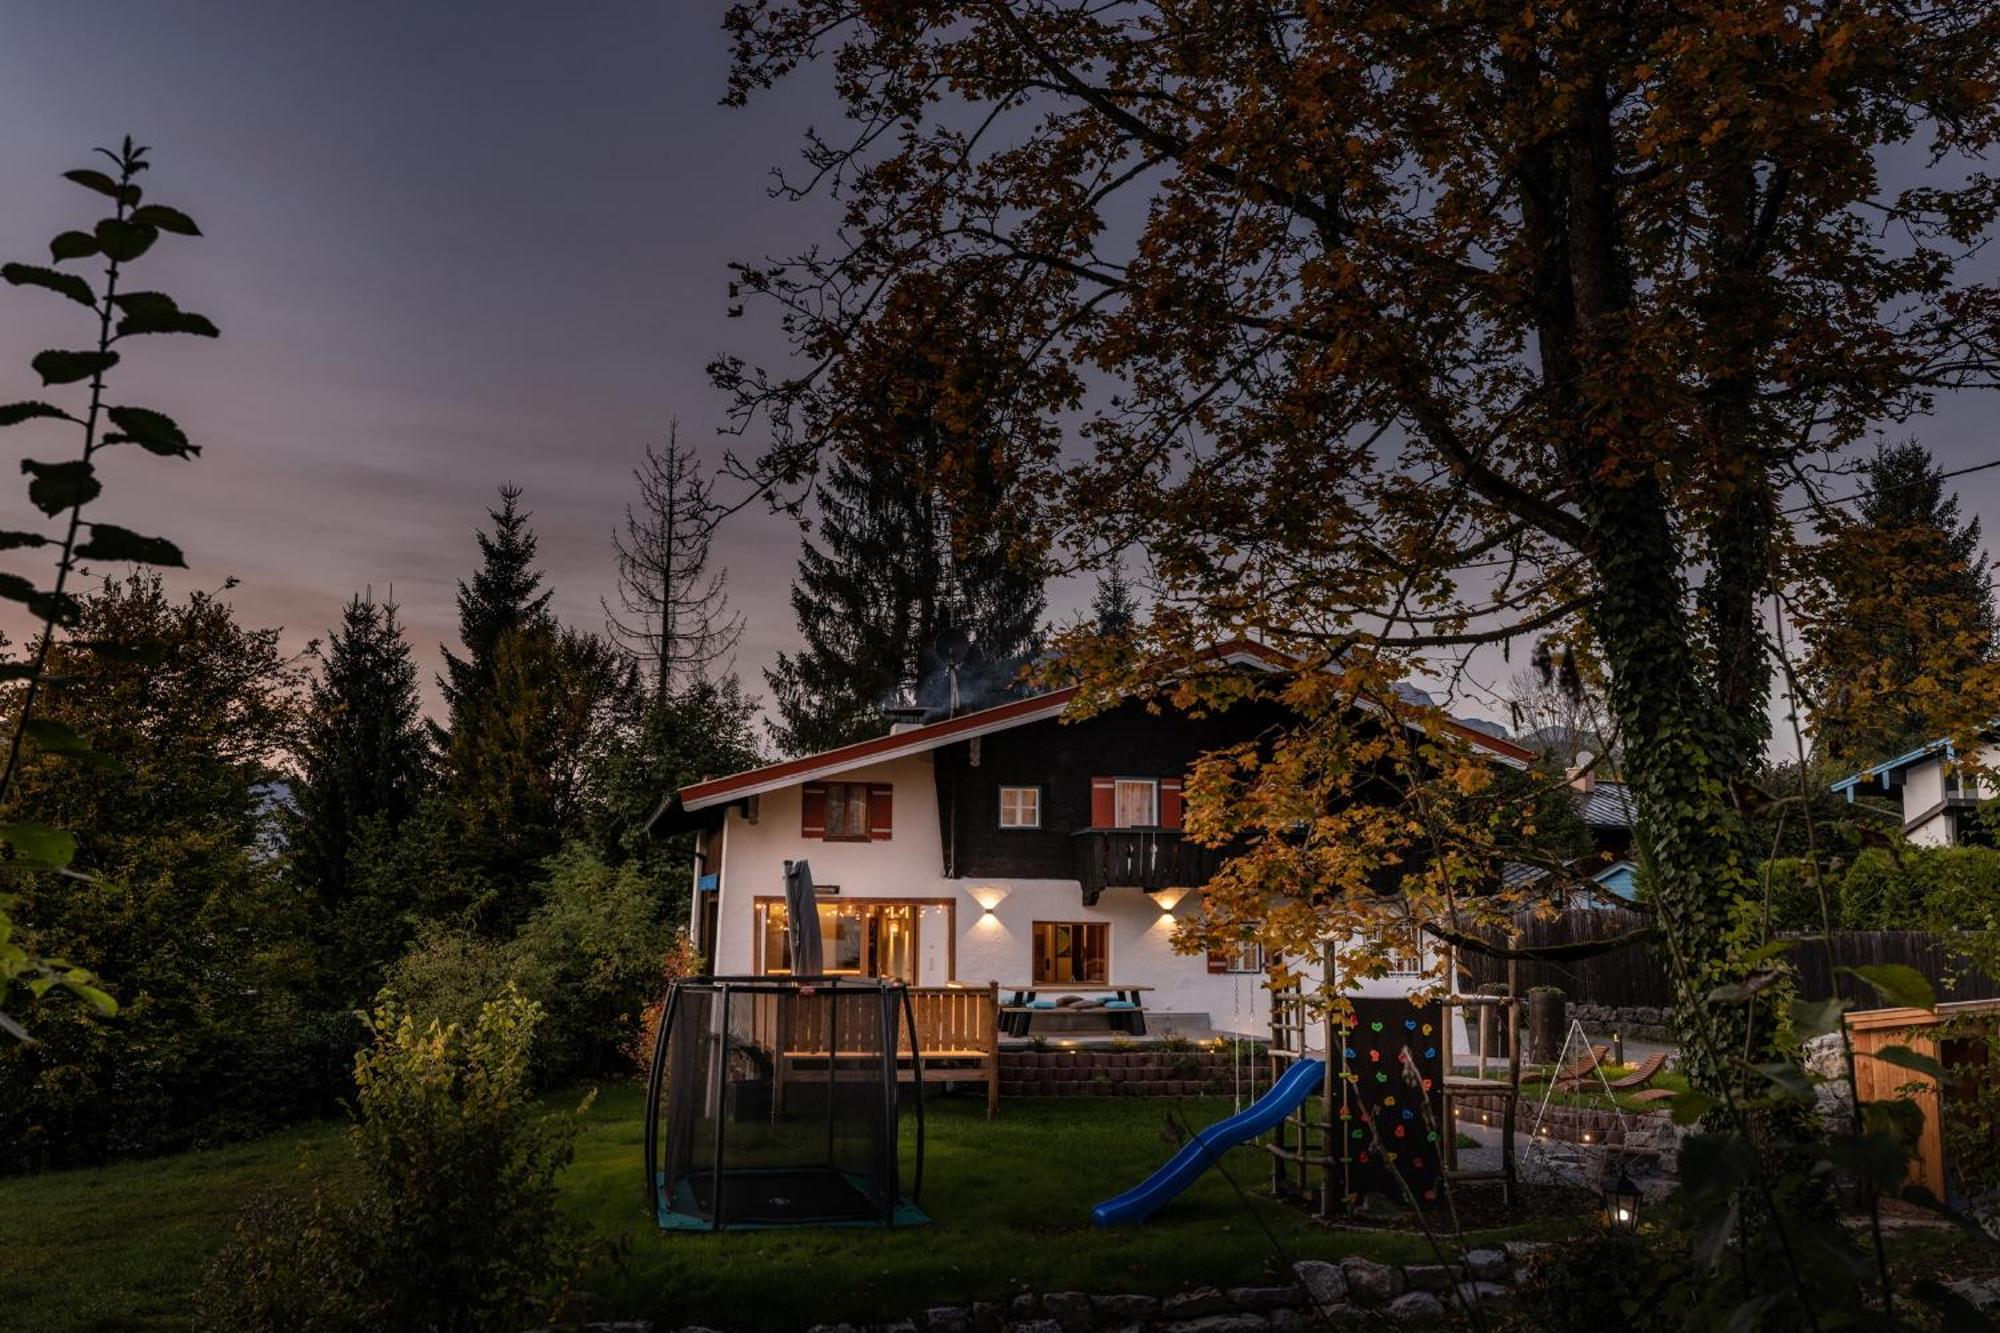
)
(1302, 1080)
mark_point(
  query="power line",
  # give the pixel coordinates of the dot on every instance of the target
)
(1919, 481)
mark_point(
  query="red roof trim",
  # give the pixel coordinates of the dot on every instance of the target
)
(1016, 710)
(847, 756)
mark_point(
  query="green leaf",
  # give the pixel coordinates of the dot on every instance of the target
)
(108, 541)
(1690, 1106)
(1789, 1079)
(166, 219)
(1905, 1058)
(92, 996)
(13, 414)
(12, 540)
(103, 184)
(73, 245)
(138, 303)
(1898, 983)
(39, 844)
(63, 284)
(60, 486)
(1816, 1018)
(69, 367)
(172, 321)
(155, 432)
(124, 241)
(58, 607)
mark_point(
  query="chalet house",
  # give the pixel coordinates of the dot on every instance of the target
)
(1001, 845)
(1938, 804)
(1608, 814)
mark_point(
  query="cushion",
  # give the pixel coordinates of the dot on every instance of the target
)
(1119, 1004)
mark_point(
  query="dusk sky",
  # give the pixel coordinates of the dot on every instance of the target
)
(448, 246)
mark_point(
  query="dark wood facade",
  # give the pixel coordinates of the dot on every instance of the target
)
(1061, 759)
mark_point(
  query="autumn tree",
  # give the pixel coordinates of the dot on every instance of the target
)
(1399, 330)
(673, 611)
(1899, 617)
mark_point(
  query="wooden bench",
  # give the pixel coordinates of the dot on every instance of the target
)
(957, 1032)
(1128, 1018)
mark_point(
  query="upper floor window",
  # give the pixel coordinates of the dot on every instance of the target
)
(1020, 807)
(1137, 803)
(846, 811)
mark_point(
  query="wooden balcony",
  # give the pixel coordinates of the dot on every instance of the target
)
(1140, 858)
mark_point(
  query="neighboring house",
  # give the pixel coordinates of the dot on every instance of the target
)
(999, 845)
(1606, 809)
(1938, 804)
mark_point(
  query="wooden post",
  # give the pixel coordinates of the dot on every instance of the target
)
(1507, 1114)
(989, 1024)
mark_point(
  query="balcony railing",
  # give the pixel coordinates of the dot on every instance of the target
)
(1140, 858)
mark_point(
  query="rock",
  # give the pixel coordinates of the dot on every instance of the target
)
(1983, 1292)
(1370, 1283)
(1220, 1323)
(1482, 1293)
(900, 1326)
(1034, 1326)
(1286, 1321)
(1432, 1277)
(1520, 1251)
(1265, 1298)
(1325, 1284)
(1200, 1303)
(831, 1328)
(948, 1319)
(986, 1317)
(1071, 1309)
(1024, 1306)
(1489, 1265)
(1416, 1307)
(1825, 1056)
(1125, 1309)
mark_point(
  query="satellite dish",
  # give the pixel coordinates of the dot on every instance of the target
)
(953, 645)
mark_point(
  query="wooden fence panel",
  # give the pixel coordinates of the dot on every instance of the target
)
(1636, 976)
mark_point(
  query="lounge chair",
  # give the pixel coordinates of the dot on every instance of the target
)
(1579, 1070)
(1651, 1095)
(1644, 1074)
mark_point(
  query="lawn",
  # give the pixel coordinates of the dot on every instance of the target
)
(122, 1246)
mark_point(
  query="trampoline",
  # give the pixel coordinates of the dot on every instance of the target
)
(773, 1101)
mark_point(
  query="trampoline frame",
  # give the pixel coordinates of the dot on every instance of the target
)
(899, 1015)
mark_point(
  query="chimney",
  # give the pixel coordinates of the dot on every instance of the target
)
(904, 716)
(1583, 773)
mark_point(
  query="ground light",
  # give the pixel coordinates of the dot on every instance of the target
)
(1621, 1203)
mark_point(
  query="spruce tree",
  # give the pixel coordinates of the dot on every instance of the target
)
(363, 762)
(505, 595)
(1903, 614)
(1115, 607)
(893, 571)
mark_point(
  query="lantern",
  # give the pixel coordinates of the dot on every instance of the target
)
(1621, 1203)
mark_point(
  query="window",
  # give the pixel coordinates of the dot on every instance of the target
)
(1020, 807)
(1138, 803)
(1074, 951)
(1247, 956)
(857, 938)
(846, 810)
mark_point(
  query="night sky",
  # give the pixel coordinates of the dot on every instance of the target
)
(449, 245)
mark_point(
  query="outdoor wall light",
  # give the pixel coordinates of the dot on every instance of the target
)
(1621, 1203)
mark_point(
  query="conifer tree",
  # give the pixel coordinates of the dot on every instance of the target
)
(505, 595)
(1903, 613)
(672, 614)
(1115, 607)
(364, 759)
(891, 574)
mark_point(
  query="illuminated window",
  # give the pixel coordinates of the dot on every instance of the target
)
(1020, 807)
(1074, 951)
(857, 937)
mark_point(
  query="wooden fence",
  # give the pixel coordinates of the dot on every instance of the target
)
(1635, 976)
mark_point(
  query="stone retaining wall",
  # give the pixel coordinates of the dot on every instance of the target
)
(1642, 1022)
(1572, 1124)
(1352, 1293)
(1100, 1072)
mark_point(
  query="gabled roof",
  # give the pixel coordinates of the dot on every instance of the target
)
(1889, 773)
(1015, 713)
(1607, 805)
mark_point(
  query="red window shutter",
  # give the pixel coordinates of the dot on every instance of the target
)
(1218, 960)
(812, 810)
(881, 811)
(1103, 802)
(1170, 803)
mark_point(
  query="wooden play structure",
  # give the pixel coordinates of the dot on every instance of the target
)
(1386, 1120)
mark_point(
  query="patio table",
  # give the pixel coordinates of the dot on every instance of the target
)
(1129, 1017)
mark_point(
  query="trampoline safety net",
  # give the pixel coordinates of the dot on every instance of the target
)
(773, 1102)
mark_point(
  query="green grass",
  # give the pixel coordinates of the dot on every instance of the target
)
(1593, 1097)
(122, 1247)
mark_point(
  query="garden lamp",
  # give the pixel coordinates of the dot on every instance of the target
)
(1621, 1203)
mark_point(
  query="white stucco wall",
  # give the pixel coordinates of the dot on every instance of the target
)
(989, 946)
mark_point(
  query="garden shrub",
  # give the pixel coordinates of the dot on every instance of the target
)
(1922, 888)
(447, 974)
(1879, 887)
(447, 1216)
(1792, 897)
(1605, 1279)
